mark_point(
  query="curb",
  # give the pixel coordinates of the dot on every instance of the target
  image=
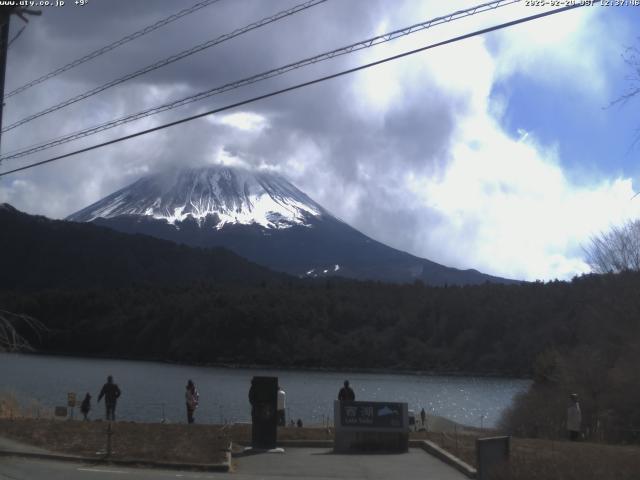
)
(441, 454)
(208, 467)
(306, 443)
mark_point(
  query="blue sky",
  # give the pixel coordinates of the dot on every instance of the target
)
(593, 136)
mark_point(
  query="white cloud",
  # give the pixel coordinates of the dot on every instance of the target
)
(413, 152)
(245, 121)
(509, 209)
(562, 50)
(503, 205)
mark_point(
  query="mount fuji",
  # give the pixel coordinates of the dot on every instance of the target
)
(264, 218)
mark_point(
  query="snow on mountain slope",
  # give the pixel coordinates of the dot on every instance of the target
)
(264, 218)
(235, 196)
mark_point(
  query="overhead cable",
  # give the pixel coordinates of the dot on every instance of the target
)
(298, 86)
(259, 77)
(111, 46)
(168, 60)
(15, 37)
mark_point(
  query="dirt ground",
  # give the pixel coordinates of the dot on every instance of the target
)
(200, 444)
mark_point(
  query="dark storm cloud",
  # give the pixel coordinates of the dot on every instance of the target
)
(341, 151)
(73, 32)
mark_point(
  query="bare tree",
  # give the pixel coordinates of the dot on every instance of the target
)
(632, 58)
(617, 250)
(11, 340)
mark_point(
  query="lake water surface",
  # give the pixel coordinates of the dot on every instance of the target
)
(148, 388)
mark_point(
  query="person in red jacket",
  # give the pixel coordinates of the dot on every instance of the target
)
(192, 398)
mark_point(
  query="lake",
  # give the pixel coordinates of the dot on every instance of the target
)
(153, 389)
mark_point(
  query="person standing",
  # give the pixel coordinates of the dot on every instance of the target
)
(85, 406)
(346, 393)
(423, 418)
(192, 398)
(253, 399)
(111, 392)
(281, 406)
(574, 418)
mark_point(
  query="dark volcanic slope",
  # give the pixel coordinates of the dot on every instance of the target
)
(36, 252)
(264, 218)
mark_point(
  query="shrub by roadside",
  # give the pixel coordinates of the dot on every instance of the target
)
(10, 407)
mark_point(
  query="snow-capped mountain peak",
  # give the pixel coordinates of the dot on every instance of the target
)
(233, 195)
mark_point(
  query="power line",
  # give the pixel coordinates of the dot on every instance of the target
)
(111, 46)
(299, 86)
(169, 60)
(260, 77)
(15, 37)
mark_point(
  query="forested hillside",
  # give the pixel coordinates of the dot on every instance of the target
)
(99, 292)
(334, 323)
(36, 253)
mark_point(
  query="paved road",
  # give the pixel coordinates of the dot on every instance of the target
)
(323, 464)
(13, 446)
(298, 463)
(14, 468)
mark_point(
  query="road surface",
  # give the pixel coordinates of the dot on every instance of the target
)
(299, 463)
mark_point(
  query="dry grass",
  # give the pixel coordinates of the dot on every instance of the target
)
(571, 461)
(143, 441)
(548, 459)
(9, 406)
(530, 458)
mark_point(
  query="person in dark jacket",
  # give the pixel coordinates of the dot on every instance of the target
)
(111, 393)
(346, 393)
(252, 400)
(85, 406)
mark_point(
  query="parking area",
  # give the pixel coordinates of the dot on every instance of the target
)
(322, 463)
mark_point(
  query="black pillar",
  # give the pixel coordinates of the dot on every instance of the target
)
(263, 397)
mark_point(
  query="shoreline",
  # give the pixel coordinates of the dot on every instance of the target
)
(240, 366)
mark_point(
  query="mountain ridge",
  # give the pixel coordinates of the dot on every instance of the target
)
(263, 217)
(234, 195)
(37, 252)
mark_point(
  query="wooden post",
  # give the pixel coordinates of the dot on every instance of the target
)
(109, 434)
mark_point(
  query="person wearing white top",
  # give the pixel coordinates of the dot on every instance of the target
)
(281, 406)
(574, 418)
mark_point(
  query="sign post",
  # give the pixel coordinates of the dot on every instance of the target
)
(60, 411)
(71, 402)
(371, 426)
(492, 455)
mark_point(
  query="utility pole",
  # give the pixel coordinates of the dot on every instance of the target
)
(4, 45)
(5, 18)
